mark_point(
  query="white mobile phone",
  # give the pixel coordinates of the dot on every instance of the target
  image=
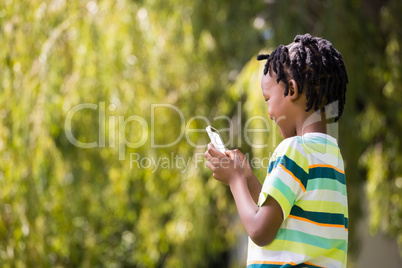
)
(216, 139)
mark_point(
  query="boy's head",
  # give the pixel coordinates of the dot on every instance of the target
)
(317, 68)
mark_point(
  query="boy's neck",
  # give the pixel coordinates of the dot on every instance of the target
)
(313, 122)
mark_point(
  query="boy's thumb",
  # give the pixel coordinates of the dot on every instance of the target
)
(231, 154)
(240, 154)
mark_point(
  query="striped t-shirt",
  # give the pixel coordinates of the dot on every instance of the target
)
(306, 177)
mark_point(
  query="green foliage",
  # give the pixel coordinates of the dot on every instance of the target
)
(62, 205)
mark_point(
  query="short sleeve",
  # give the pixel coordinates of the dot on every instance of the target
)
(287, 175)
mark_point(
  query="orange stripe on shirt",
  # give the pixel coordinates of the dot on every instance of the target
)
(317, 223)
(315, 265)
(281, 263)
(270, 262)
(294, 177)
(328, 166)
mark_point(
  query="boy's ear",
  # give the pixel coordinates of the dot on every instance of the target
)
(293, 90)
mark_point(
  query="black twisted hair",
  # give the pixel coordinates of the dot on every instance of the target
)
(316, 66)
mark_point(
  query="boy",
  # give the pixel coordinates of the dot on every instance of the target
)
(299, 216)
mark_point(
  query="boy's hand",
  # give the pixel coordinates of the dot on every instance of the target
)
(248, 172)
(225, 167)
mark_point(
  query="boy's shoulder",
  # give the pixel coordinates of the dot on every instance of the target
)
(311, 147)
(307, 140)
(288, 145)
(290, 149)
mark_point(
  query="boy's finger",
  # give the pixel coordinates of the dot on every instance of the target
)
(231, 154)
(234, 155)
(242, 157)
(238, 157)
(215, 153)
(209, 165)
(207, 155)
(214, 161)
(239, 153)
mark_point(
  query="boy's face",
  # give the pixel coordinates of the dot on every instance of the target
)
(280, 108)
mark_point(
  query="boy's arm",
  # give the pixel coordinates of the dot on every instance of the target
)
(261, 223)
(254, 185)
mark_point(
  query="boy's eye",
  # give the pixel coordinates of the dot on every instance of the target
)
(266, 99)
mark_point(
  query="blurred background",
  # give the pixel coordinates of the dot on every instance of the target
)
(100, 101)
